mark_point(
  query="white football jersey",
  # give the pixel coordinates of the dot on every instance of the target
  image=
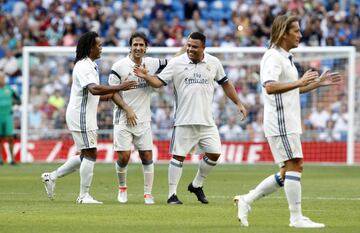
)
(194, 86)
(281, 111)
(81, 111)
(138, 98)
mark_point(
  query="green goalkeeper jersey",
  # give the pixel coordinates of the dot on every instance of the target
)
(6, 100)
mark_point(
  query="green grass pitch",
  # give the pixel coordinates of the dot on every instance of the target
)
(331, 194)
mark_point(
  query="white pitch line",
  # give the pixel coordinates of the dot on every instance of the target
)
(214, 196)
(305, 198)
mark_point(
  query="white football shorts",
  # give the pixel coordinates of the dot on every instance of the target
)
(85, 140)
(186, 138)
(285, 147)
(139, 135)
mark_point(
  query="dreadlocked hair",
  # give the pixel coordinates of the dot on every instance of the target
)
(85, 43)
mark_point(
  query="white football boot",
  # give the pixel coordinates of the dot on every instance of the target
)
(243, 210)
(149, 199)
(122, 195)
(87, 199)
(305, 222)
(49, 185)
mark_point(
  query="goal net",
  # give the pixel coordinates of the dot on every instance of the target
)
(328, 114)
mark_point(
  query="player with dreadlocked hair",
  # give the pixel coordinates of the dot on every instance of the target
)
(81, 113)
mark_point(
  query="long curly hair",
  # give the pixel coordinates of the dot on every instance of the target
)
(85, 43)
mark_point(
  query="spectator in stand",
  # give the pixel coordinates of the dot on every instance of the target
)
(165, 124)
(243, 26)
(195, 23)
(27, 38)
(341, 123)
(47, 108)
(42, 40)
(221, 112)
(178, 41)
(189, 7)
(257, 128)
(54, 33)
(57, 100)
(228, 41)
(110, 39)
(8, 64)
(327, 134)
(35, 96)
(36, 117)
(319, 117)
(64, 76)
(239, 6)
(138, 13)
(159, 5)
(69, 38)
(312, 35)
(231, 131)
(159, 40)
(59, 118)
(353, 18)
(336, 12)
(224, 29)
(211, 30)
(159, 24)
(126, 24)
(176, 27)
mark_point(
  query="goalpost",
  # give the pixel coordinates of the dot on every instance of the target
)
(321, 145)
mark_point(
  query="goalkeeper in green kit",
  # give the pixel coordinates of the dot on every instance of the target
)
(7, 96)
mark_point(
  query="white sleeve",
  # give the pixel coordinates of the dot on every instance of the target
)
(220, 73)
(271, 69)
(114, 78)
(86, 76)
(167, 73)
(158, 64)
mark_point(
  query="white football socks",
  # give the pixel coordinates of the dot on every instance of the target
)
(292, 188)
(269, 185)
(205, 166)
(174, 175)
(71, 165)
(86, 175)
(121, 171)
(148, 170)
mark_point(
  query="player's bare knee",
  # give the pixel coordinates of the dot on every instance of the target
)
(90, 154)
(123, 157)
(145, 155)
(179, 158)
(213, 157)
(295, 164)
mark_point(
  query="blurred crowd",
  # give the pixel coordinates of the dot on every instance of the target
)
(226, 23)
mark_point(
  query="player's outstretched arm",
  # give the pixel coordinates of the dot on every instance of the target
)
(104, 89)
(326, 78)
(306, 80)
(231, 93)
(152, 80)
(130, 114)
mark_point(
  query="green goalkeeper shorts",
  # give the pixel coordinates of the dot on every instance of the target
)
(6, 126)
